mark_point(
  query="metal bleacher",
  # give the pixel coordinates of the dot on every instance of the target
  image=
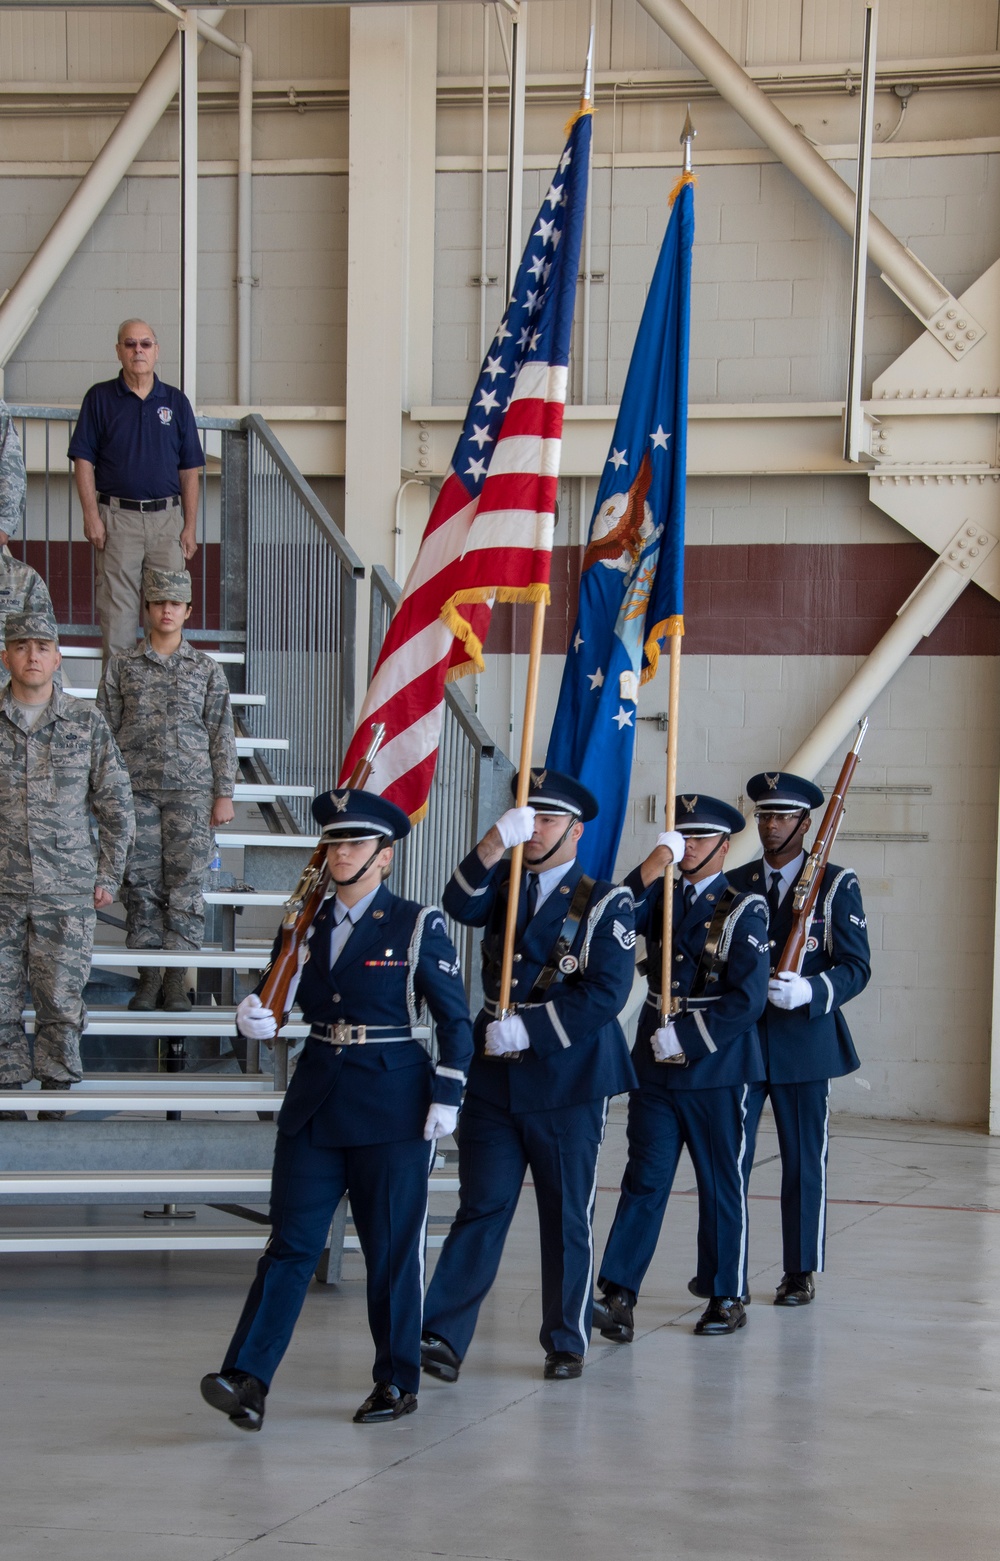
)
(167, 1141)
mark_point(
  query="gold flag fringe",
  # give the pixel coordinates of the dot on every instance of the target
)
(685, 178)
(463, 630)
(664, 630)
(581, 113)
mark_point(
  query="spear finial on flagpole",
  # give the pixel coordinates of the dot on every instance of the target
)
(686, 137)
(588, 74)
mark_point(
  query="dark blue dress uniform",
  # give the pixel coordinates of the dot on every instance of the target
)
(804, 1048)
(545, 1110)
(352, 1121)
(701, 1106)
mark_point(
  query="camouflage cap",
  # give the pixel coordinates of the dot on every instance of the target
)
(29, 626)
(166, 585)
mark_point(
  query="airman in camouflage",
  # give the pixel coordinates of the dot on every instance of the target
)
(22, 588)
(13, 482)
(168, 706)
(58, 765)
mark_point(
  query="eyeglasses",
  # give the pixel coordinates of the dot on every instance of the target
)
(131, 343)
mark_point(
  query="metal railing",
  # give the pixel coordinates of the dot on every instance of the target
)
(53, 540)
(471, 788)
(272, 577)
(301, 620)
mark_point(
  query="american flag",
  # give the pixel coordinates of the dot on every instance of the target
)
(489, 535)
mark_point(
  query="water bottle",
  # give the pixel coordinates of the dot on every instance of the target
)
(213, 878)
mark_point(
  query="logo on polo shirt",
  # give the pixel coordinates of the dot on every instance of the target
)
(165, 414)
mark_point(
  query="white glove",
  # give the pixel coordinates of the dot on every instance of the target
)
(674, 842)
(516, 826)
(440, 1121)
(506, 1035)
(789, 990)
(665, 1043)
(254, 1020)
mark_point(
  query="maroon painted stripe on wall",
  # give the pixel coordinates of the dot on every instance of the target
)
(767, 599)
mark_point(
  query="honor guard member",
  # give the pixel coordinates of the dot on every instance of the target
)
(136, 458)
(803, 1033)
(168, 707)
(58, 766)
(694, 1072)
(362, 1113)
(541, 1077)
(22, 588)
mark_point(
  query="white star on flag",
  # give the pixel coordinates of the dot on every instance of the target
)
(659, 438)
(480, 436)
(544, 231)
(488, 400)
(617, 458)
(596, 679)
(578, 641)
(623, 718)
(493, 367)
(476, 470)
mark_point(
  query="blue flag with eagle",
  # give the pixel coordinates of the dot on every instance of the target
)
(632, 581)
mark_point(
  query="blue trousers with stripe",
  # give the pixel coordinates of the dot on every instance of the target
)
(495, 1148)
(387, 1186)
(710, 1124)
(802, 1119)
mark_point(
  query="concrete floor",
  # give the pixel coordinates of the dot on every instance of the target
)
(866, 1426)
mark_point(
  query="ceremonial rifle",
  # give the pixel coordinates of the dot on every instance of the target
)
(807, 889)
(278, 990)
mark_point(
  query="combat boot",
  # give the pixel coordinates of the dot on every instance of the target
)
(52, 1116)
(146, 997)
(175, 998)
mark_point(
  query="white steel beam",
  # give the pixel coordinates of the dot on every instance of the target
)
(919, 289)
(21, 305)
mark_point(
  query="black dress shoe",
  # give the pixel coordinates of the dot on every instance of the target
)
(562, 1365)
(795, 1290)
(438, 1358)
(238, 1395)
(706, 1295)
(613, 1315)
(723, 1314)
(385, 1402)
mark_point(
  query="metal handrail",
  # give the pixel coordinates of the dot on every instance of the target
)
(293, 613)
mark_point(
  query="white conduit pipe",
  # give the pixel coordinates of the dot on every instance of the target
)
(91, 195)
(244, 207)
(937, 592)
(917, 286)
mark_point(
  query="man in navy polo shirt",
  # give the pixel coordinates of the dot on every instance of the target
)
(136, 457)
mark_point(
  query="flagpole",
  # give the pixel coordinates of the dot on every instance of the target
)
(667, 1005)
(523, 787)
(530, 712)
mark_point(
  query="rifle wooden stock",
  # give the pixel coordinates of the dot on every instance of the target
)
(277, 990)
(808, 886)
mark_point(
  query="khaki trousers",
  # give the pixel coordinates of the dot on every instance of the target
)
(134, 539)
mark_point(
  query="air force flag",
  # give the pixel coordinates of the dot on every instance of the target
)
(632, 584)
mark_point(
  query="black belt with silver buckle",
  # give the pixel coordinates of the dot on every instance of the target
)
(687, 1005)
(142, 506)
(340, 1033)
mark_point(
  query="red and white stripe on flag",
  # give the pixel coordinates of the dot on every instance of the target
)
(496, 546)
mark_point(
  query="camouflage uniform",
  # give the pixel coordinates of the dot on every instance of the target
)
(51, 778)
(13, 482)
(174, 724)
(22, 589)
